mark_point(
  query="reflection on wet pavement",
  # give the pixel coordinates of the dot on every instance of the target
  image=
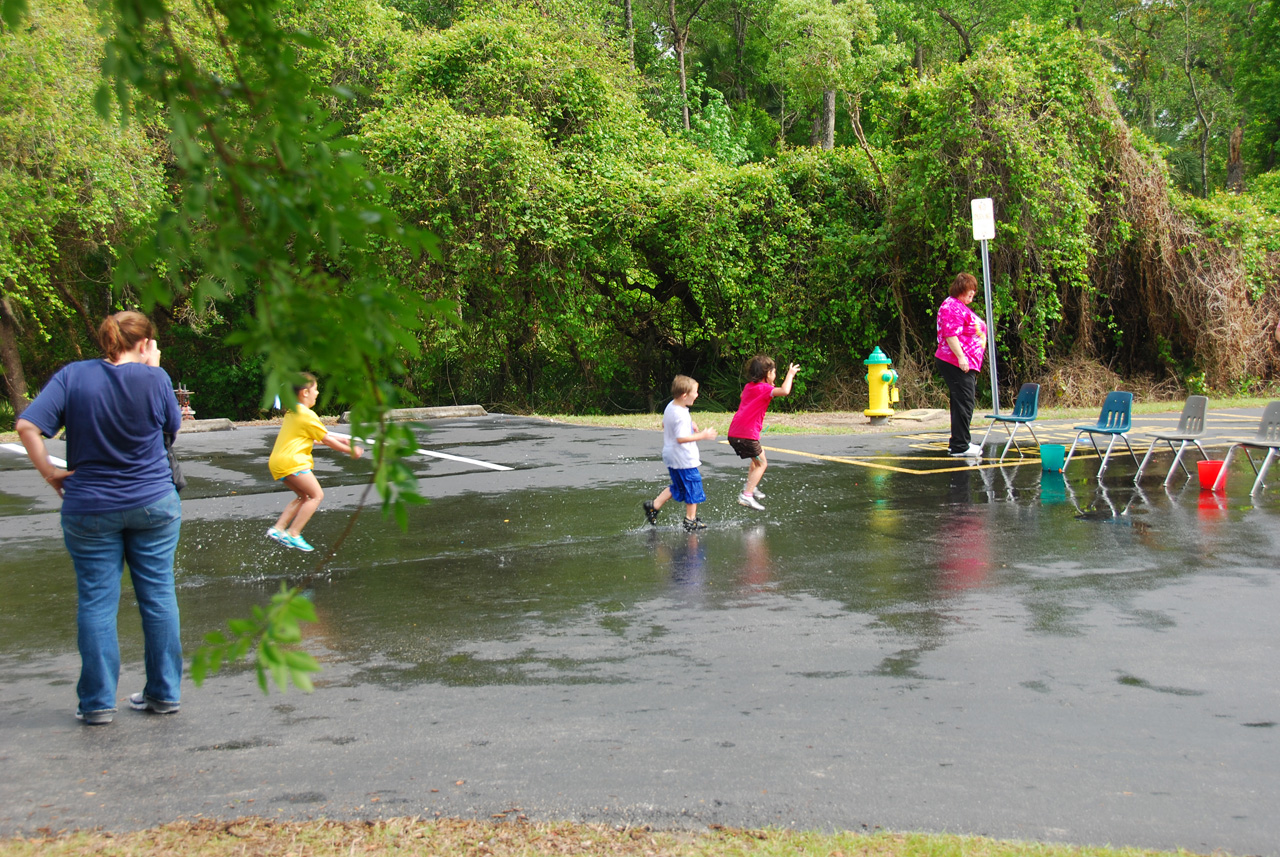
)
(568, 586)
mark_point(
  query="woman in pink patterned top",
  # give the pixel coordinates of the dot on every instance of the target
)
(962, 343)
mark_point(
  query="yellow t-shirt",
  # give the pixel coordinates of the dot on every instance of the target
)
(292, 452)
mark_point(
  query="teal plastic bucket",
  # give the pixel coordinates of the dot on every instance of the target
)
(1052, 456)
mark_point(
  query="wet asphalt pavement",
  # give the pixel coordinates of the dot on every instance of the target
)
(900, 641)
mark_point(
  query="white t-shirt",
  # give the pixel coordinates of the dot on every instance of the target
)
(678, 422)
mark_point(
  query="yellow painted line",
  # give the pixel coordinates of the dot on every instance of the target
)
(1083, 453)
(875, 465)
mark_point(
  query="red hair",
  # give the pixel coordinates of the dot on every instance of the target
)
(121, 332)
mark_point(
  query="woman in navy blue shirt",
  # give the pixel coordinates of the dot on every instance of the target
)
(118, 506)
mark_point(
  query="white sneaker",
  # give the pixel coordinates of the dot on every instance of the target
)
(973, 451)
(758, 494)
(750, 502)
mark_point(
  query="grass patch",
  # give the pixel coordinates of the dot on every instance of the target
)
(251, 837)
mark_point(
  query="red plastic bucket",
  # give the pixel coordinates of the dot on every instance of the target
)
(1209, 471)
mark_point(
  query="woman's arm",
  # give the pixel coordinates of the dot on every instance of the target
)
(953, 342)
(33, 441)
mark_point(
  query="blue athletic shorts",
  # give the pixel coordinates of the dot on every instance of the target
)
(686, 485)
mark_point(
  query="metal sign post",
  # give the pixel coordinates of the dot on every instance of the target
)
(984, 229)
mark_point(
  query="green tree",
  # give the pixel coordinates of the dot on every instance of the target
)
(813, 44)
(1259, 83)
(71, 184)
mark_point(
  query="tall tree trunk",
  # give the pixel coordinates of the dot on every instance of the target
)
(15, 379)
(829, 115)
(740, 38)
(680, 43)
(680, 40)
(828, 120)
(1235, 163)
(1206, 123)
(629, 24)
(919, 61)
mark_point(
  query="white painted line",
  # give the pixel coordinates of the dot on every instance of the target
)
(22, 450)
(436, 454)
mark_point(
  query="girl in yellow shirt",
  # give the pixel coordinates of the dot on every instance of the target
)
(291, 463)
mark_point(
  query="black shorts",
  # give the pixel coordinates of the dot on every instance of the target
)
(746, 448)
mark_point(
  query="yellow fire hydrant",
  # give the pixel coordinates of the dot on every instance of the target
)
(883, 386)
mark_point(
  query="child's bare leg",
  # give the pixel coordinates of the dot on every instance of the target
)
(690, 511)
(282, 523)
(309, 494)
(755, 471)
(662, 498)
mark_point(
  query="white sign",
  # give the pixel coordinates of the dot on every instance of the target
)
(984, 220)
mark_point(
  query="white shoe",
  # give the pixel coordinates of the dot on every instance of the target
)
(750, 502)
(758, 494)
(973, 451)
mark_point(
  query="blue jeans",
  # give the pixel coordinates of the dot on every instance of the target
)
(99, 545)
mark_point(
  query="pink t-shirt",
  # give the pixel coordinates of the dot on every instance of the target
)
(956, 319)
(749, 419)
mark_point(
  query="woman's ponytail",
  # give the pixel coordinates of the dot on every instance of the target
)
(121, 332)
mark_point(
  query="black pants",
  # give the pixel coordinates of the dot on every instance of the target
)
(964, 394)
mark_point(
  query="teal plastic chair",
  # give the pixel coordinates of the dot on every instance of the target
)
(1268, 438)
(1115, 420)
(1190, 428)
(1025, 409)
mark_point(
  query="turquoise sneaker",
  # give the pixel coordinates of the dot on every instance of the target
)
(297, 542)
(278, 535)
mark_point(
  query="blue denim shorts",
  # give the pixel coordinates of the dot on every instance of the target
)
(686, 485)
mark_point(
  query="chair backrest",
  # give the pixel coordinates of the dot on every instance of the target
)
(1269, 427)
(1027, 405)
(1192, 419)
(1116, 410)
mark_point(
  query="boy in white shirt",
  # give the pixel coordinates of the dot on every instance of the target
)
(680, 438)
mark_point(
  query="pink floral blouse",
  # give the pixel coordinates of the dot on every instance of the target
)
(956, 319)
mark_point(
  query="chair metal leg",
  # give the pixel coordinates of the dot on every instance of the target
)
(1204, 456)
(1143, 466)
(1221, 481)
(1177, 459)
(1266, 462)
(1107, 457)
(1033, 433)
(1128, 446)
(1177, 462)
(1067, 463)
(1010, 442)
(983, 442)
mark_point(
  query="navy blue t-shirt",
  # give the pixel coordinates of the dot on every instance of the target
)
(115, 418)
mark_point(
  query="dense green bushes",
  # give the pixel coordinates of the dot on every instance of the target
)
(593, 252)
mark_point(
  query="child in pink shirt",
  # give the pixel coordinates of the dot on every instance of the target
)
(744, 428)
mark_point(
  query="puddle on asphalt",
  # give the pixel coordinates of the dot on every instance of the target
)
(855, 572)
